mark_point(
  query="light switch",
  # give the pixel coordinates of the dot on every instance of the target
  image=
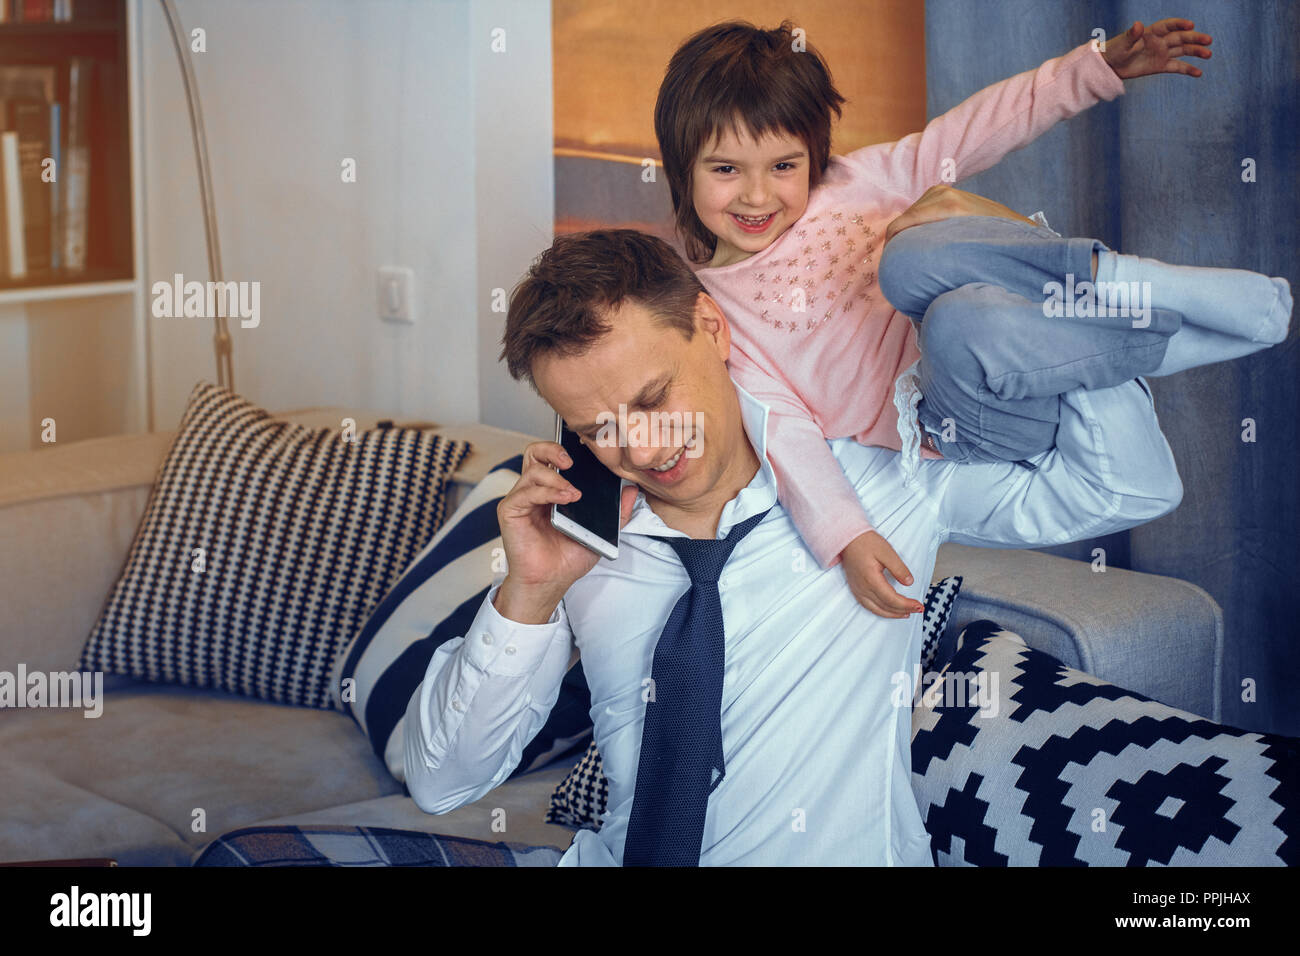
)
(397, 294)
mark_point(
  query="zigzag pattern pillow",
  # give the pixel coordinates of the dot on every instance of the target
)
(263, 548)
(579, 799)
(939, 600)
(435, 601)
(1054, 767)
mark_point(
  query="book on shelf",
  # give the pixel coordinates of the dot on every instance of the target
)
(46, 180)
(76, 179)
(30, 119)
(55, 11)
(15, 246)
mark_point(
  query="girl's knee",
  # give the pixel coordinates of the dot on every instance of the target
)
(926, 261)
(908, 267)
(957, 328)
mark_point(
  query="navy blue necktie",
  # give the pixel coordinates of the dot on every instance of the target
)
(681, 744)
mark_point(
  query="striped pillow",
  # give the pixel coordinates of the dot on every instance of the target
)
(263, 548)
(435, 601)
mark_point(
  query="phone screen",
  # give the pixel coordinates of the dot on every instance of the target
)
(597, 509)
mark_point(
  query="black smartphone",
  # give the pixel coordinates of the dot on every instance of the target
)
(592, 520)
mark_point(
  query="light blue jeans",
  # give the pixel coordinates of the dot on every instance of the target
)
(993, 362)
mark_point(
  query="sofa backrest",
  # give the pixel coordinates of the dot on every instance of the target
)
(68, 515)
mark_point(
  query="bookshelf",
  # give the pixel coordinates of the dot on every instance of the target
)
(73, 328)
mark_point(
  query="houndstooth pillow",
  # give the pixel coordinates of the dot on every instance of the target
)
(263, 548)
(579, 799)
(1048, 766)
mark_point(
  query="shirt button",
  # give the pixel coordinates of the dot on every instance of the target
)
(510, 648)
(456, 704)
(487, 638)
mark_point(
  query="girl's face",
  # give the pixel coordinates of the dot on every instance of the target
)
(748, 192)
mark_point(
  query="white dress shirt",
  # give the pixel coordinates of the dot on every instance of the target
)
(816, 722)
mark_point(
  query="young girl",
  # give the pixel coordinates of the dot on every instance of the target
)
(792, 237)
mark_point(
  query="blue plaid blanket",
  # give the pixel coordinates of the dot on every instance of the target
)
(364, 846)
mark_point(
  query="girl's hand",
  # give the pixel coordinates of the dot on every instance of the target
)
(865, 560)
(1144, 51)
(944, 202)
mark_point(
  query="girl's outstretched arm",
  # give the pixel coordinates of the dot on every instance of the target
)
(986, 126)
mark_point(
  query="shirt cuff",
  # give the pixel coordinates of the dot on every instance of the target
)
(499, 646)
(835, 546)
(1103, 82)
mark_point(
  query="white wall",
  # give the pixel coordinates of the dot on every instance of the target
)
(453, 151)
(514, 139)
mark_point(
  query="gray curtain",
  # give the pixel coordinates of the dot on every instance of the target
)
(1158, 172)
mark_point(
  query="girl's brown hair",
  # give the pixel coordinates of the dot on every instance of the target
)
(730, 73)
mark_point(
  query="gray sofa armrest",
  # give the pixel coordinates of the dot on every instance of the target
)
(68, 514)
(1158, 636)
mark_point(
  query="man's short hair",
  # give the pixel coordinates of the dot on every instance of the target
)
(562, 305)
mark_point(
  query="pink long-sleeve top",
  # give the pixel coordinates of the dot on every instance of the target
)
(811, 334)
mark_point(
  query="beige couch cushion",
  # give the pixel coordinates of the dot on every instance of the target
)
(74, 786)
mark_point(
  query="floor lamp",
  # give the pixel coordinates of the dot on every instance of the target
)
(221, 336)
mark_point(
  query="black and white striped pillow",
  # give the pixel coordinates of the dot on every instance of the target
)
(436, 601)
(263, 548)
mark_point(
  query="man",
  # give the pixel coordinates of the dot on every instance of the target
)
(814, 762)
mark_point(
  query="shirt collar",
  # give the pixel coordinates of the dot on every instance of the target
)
(758, 496)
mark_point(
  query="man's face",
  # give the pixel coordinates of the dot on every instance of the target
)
(650, 369)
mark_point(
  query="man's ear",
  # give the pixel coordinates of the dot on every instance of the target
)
(711, 321)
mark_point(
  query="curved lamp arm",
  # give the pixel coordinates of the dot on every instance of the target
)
(221, 337)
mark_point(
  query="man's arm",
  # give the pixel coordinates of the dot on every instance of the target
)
(484, 696)
(1111, 469)
(999, 119)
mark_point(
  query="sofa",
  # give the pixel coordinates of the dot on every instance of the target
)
(179, 766)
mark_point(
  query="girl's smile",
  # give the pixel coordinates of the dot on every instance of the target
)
(754, 224)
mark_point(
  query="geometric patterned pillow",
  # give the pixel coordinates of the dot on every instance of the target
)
(1019, 760)
(939, 600)
(435, 601)
(264, 546)
(579, 799)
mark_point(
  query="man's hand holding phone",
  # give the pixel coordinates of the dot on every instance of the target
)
(542, 562)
